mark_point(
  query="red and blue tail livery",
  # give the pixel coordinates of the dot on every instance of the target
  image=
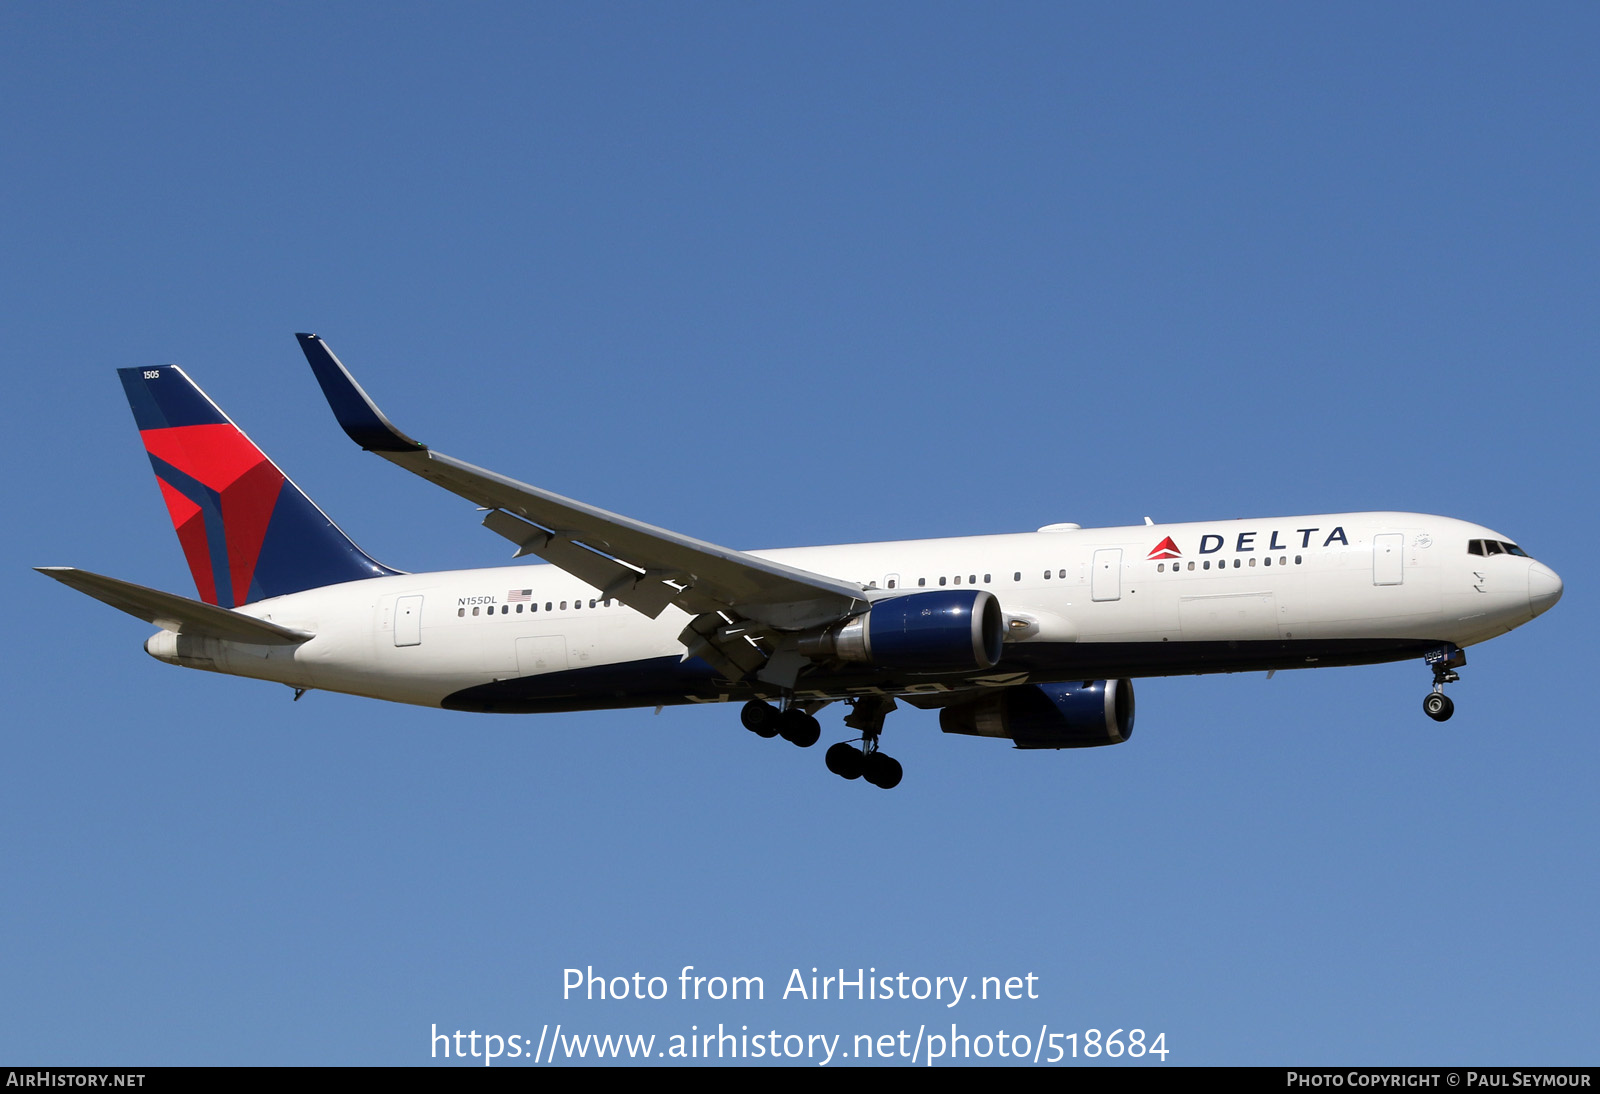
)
(247, 531)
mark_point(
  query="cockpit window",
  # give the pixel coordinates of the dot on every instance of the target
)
(1494, 547)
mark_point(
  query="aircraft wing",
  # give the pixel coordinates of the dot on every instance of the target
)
(643, 566)
(175, 613)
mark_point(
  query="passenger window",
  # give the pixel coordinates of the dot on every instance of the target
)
(474, 611)
(892, 583)
(958, 580)
(1017, 576)
(921, 581)
(1161, 567)
(1191, 565)
(941, 582)
(461, 612)
(987, 580)
(1047, 575)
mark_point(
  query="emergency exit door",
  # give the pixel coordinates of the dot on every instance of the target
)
(1105, 583)
(408, 621)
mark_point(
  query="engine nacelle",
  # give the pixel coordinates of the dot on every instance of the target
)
(950, 630)
(1049, 715)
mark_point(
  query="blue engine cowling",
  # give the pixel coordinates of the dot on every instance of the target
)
(1049, 715)
(951, 630)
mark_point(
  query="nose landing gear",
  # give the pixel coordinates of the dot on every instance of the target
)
(1444, 660)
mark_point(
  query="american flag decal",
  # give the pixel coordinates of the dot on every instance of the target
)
(518, 595)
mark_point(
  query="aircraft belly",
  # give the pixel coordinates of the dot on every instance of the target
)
(1112, 660)
(669, 681)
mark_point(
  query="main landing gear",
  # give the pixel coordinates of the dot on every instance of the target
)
(800, 727)
(848, 762)
(791, 723)
(1444, 660)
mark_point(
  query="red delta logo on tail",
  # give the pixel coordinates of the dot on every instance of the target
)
(247, 532)
(211, 476)
(1165, 549)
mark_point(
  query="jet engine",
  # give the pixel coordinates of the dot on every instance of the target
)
(951, 630)
(1049, 715)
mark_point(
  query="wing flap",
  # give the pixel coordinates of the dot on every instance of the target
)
(638, 589)
(175, 613)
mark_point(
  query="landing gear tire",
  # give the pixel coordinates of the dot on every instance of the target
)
(799, 728)
(845, 760)
(1444, 660)
(882, 771)
(760, 718)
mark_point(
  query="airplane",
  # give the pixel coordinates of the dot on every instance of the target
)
(1033, 637)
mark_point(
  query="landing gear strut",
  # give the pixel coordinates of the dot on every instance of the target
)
(1444, 660)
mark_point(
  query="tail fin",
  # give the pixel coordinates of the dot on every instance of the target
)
(247, 531)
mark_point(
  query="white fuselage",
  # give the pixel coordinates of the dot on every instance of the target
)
(1079, 603)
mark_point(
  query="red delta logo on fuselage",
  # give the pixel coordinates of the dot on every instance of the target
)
(1212, 542)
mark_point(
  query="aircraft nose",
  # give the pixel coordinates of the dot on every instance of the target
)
(1544, 588)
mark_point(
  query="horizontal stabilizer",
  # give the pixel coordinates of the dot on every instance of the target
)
(175, 613)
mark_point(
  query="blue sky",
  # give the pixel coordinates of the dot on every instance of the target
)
(790, 274)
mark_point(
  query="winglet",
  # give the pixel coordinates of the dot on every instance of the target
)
(358, 415)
